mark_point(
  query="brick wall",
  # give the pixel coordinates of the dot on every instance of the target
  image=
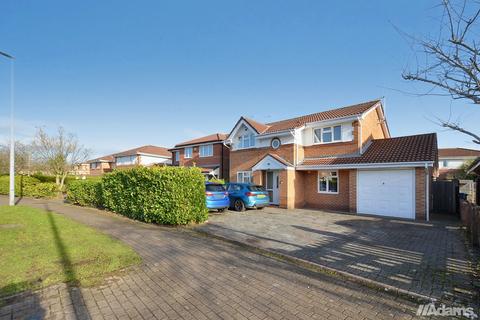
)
(313, 199)
(244, 160)
(219, 150)
(372, 127)
(420, 213)
(352, 190)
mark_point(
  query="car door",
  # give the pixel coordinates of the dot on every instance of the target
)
(233, 192)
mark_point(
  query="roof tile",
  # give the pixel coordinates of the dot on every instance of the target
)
(417, 148)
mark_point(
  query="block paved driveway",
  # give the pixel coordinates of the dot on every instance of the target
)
(188, 276)
(425, 258)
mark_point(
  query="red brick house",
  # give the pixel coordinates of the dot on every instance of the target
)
(208, 153)
(342, 159)
(101, 165)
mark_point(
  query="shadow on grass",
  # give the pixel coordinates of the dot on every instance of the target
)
(75, 294)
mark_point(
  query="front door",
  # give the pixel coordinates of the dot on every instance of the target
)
(272, 186)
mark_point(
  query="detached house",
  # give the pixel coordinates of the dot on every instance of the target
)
(208, 153)
(342, 159)
(142, 156)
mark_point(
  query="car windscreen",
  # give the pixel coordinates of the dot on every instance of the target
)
(215, 187)
(256, 188)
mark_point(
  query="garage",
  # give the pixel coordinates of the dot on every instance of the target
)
(386, 193)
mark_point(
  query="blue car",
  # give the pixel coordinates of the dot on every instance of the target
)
(217, 196)
(247, 195)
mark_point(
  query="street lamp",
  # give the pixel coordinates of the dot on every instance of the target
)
(12, 140)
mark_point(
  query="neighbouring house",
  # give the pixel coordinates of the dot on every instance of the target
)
(101, 165)
(82, 169)
(146, 156)
(451, 161)
(342, 159)
(208, 153)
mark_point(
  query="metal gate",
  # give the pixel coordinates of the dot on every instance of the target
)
(445, 196)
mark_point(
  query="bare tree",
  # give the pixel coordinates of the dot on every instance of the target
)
(59, 153)
(23, 156)
(452, 60)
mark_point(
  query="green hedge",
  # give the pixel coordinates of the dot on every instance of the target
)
(165, 195)
(85, 193)
(29, 187)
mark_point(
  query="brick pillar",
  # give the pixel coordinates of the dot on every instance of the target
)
(352, 190)
(420, 213)
(258, 177)
(283, 176)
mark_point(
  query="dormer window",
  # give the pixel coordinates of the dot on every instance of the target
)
(327, 134)
(247, 141)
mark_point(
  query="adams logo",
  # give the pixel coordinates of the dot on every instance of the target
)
(444, 311)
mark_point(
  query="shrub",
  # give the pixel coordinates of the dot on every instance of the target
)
(165, 195)
(85, 193)
(41, 190)
(28, 186)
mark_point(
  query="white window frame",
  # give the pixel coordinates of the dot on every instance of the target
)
(177, 156)
(189, 154)
(250, 137)
(332, 131)
(202, 148)
(244, 174)
(329, 177)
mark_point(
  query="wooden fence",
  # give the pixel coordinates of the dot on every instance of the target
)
(470, 215)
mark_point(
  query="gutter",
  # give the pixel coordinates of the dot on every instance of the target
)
(368, 165)
(427, 193)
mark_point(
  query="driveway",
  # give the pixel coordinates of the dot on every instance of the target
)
(429, 259)
(188, 276)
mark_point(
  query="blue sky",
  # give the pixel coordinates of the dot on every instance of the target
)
(121, 74)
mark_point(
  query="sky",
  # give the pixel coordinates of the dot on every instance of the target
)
(121, 74)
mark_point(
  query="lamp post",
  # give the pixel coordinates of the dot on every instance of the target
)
(12, 138)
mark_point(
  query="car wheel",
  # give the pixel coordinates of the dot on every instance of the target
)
(261, 208)
(238, 205)
(221, 210)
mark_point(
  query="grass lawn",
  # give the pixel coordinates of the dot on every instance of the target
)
(40, 248)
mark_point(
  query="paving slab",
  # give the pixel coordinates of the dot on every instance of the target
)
(188, 276)
(426, 258)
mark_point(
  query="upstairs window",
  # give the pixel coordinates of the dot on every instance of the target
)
(188, 153)
(206, 150)
(327, 134)
(247, 141)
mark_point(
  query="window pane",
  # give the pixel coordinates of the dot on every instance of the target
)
(215, 187)
(252, 140)
(317, 135)
(322, 184)
(337, 133)
(327, 135)
(240, 177)
(333, 185)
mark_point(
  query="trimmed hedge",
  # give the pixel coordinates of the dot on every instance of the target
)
(29, 187)
(85, 193)
(165, 195)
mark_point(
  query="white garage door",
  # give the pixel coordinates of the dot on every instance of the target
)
(386, 193)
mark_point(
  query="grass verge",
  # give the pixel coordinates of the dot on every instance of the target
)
(39, 248)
